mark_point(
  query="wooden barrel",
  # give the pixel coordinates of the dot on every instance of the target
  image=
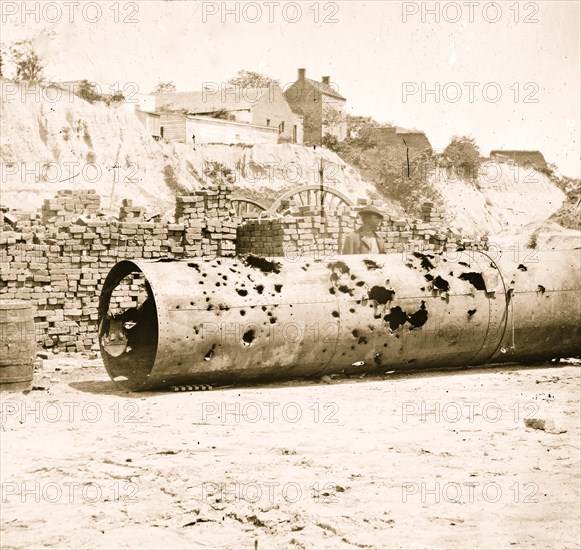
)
(17, 345)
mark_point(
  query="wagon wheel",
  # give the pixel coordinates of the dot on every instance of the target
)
(247, 208)
(314, 196)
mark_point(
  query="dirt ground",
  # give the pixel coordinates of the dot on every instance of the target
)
(439, 460)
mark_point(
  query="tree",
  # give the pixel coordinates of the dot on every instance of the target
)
(29, 65)
(117, 97)
(332, 118)
(250, 79)
(165, 87)
(464, 155)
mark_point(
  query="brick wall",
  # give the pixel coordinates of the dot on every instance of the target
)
(59, 257)
(304, 232)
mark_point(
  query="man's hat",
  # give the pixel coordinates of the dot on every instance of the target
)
(370, 209)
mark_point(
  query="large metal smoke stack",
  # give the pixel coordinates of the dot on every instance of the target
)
(245, 320)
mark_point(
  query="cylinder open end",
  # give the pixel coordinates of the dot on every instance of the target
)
(128, 326)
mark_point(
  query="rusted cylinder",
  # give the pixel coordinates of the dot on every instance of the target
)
(250, 320)
(17, 345)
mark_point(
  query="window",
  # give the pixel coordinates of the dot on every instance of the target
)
(281, 127)
(268, 121)
(295, 133)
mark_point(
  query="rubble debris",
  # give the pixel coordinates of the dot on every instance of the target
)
(543, 425)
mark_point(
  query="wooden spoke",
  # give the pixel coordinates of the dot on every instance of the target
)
(247, 208)
(312, 196)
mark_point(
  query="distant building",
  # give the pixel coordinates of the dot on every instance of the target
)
(524, 158)
(192, 130)
(394, 137)
(233, 115)
(151, 121)
(321, 106)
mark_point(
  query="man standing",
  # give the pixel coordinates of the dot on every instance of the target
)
(365, 240)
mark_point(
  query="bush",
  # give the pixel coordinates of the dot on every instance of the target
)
(218, 173)
(88, 91)
(569, 215)
(464, 155)
(164, 87)
(330, 142)
(408, 183)
(533, 241)
(117, 97)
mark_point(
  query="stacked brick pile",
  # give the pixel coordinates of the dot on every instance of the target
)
(431, 214)
(209, 222)
(59, 258)
(310, 236)
(130, 292)
(69, 203)
(128, 212)
(304, 232)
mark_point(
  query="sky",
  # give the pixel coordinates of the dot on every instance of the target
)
(506, 73)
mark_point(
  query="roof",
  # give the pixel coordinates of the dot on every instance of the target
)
(534, 158)
(511, 152)
(401, 130)
(322, 88)
(148, 113)
(207, 102)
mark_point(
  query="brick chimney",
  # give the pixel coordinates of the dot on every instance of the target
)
(302, 73)
(326, 80)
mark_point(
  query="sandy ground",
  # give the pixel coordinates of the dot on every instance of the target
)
(440, 460)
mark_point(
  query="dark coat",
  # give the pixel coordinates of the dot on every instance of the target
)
(353, 243)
